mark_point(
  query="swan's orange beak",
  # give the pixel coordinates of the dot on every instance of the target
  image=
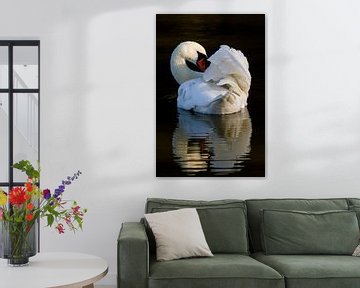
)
(202, 63)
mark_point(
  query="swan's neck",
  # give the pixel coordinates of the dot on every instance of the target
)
(180, 70)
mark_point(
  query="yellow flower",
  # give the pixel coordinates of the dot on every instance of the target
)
(3, 198)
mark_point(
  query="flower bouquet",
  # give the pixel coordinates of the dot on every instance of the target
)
(21, 208)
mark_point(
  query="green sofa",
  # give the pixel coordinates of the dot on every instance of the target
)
(244, 238)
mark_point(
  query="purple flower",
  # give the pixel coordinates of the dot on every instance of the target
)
(68, 181)
(46, 194)
(58, 192)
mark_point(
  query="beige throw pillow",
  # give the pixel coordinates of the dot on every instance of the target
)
(357, 251)
(178, 234)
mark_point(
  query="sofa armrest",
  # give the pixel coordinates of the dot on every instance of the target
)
(133, 256)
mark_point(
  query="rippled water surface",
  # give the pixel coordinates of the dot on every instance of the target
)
(193, 144)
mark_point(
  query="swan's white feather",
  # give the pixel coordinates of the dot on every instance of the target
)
(208, 98)
(222, 89)
(228, 61)
(198, 93)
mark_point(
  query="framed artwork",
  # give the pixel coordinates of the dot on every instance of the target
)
(210, 95)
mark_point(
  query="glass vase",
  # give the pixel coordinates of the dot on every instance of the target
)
(18, 242)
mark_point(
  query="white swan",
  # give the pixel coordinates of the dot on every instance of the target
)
(217, 85)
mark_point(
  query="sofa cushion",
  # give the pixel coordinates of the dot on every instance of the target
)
(313, 271)
(178, 234)
(356, 209)
(254, 216)
(354, 205)
(223, 221)
(297, 232)
(353, 201)
(222, 270)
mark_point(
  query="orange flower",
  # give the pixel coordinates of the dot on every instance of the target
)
(29, 217)
(27, 196)
(29, 206)
(29, 187)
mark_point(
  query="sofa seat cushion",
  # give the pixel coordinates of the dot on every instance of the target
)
(222, 270)
(313, 271)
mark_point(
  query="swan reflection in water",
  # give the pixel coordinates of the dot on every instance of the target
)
(215, 144)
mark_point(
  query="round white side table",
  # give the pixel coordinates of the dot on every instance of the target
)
(50, 270)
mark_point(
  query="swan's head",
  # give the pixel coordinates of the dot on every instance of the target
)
(188, 61)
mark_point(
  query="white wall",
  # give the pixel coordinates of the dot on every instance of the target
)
(98, 105)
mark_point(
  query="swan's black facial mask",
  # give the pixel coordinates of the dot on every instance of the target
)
(201, 63)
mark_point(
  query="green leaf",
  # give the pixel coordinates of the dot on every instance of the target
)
(22, 164)
(28, 168)
(53, 212)
(50, 219)
(79, 221)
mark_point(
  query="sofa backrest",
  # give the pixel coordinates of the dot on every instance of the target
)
(353, 202)
(256, 205)
(223, 221)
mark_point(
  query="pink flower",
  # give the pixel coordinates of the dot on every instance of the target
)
(1, 212)
(60, 228)
(68, 219)
(75, 209)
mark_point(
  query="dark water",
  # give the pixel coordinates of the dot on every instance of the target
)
(192, 144)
